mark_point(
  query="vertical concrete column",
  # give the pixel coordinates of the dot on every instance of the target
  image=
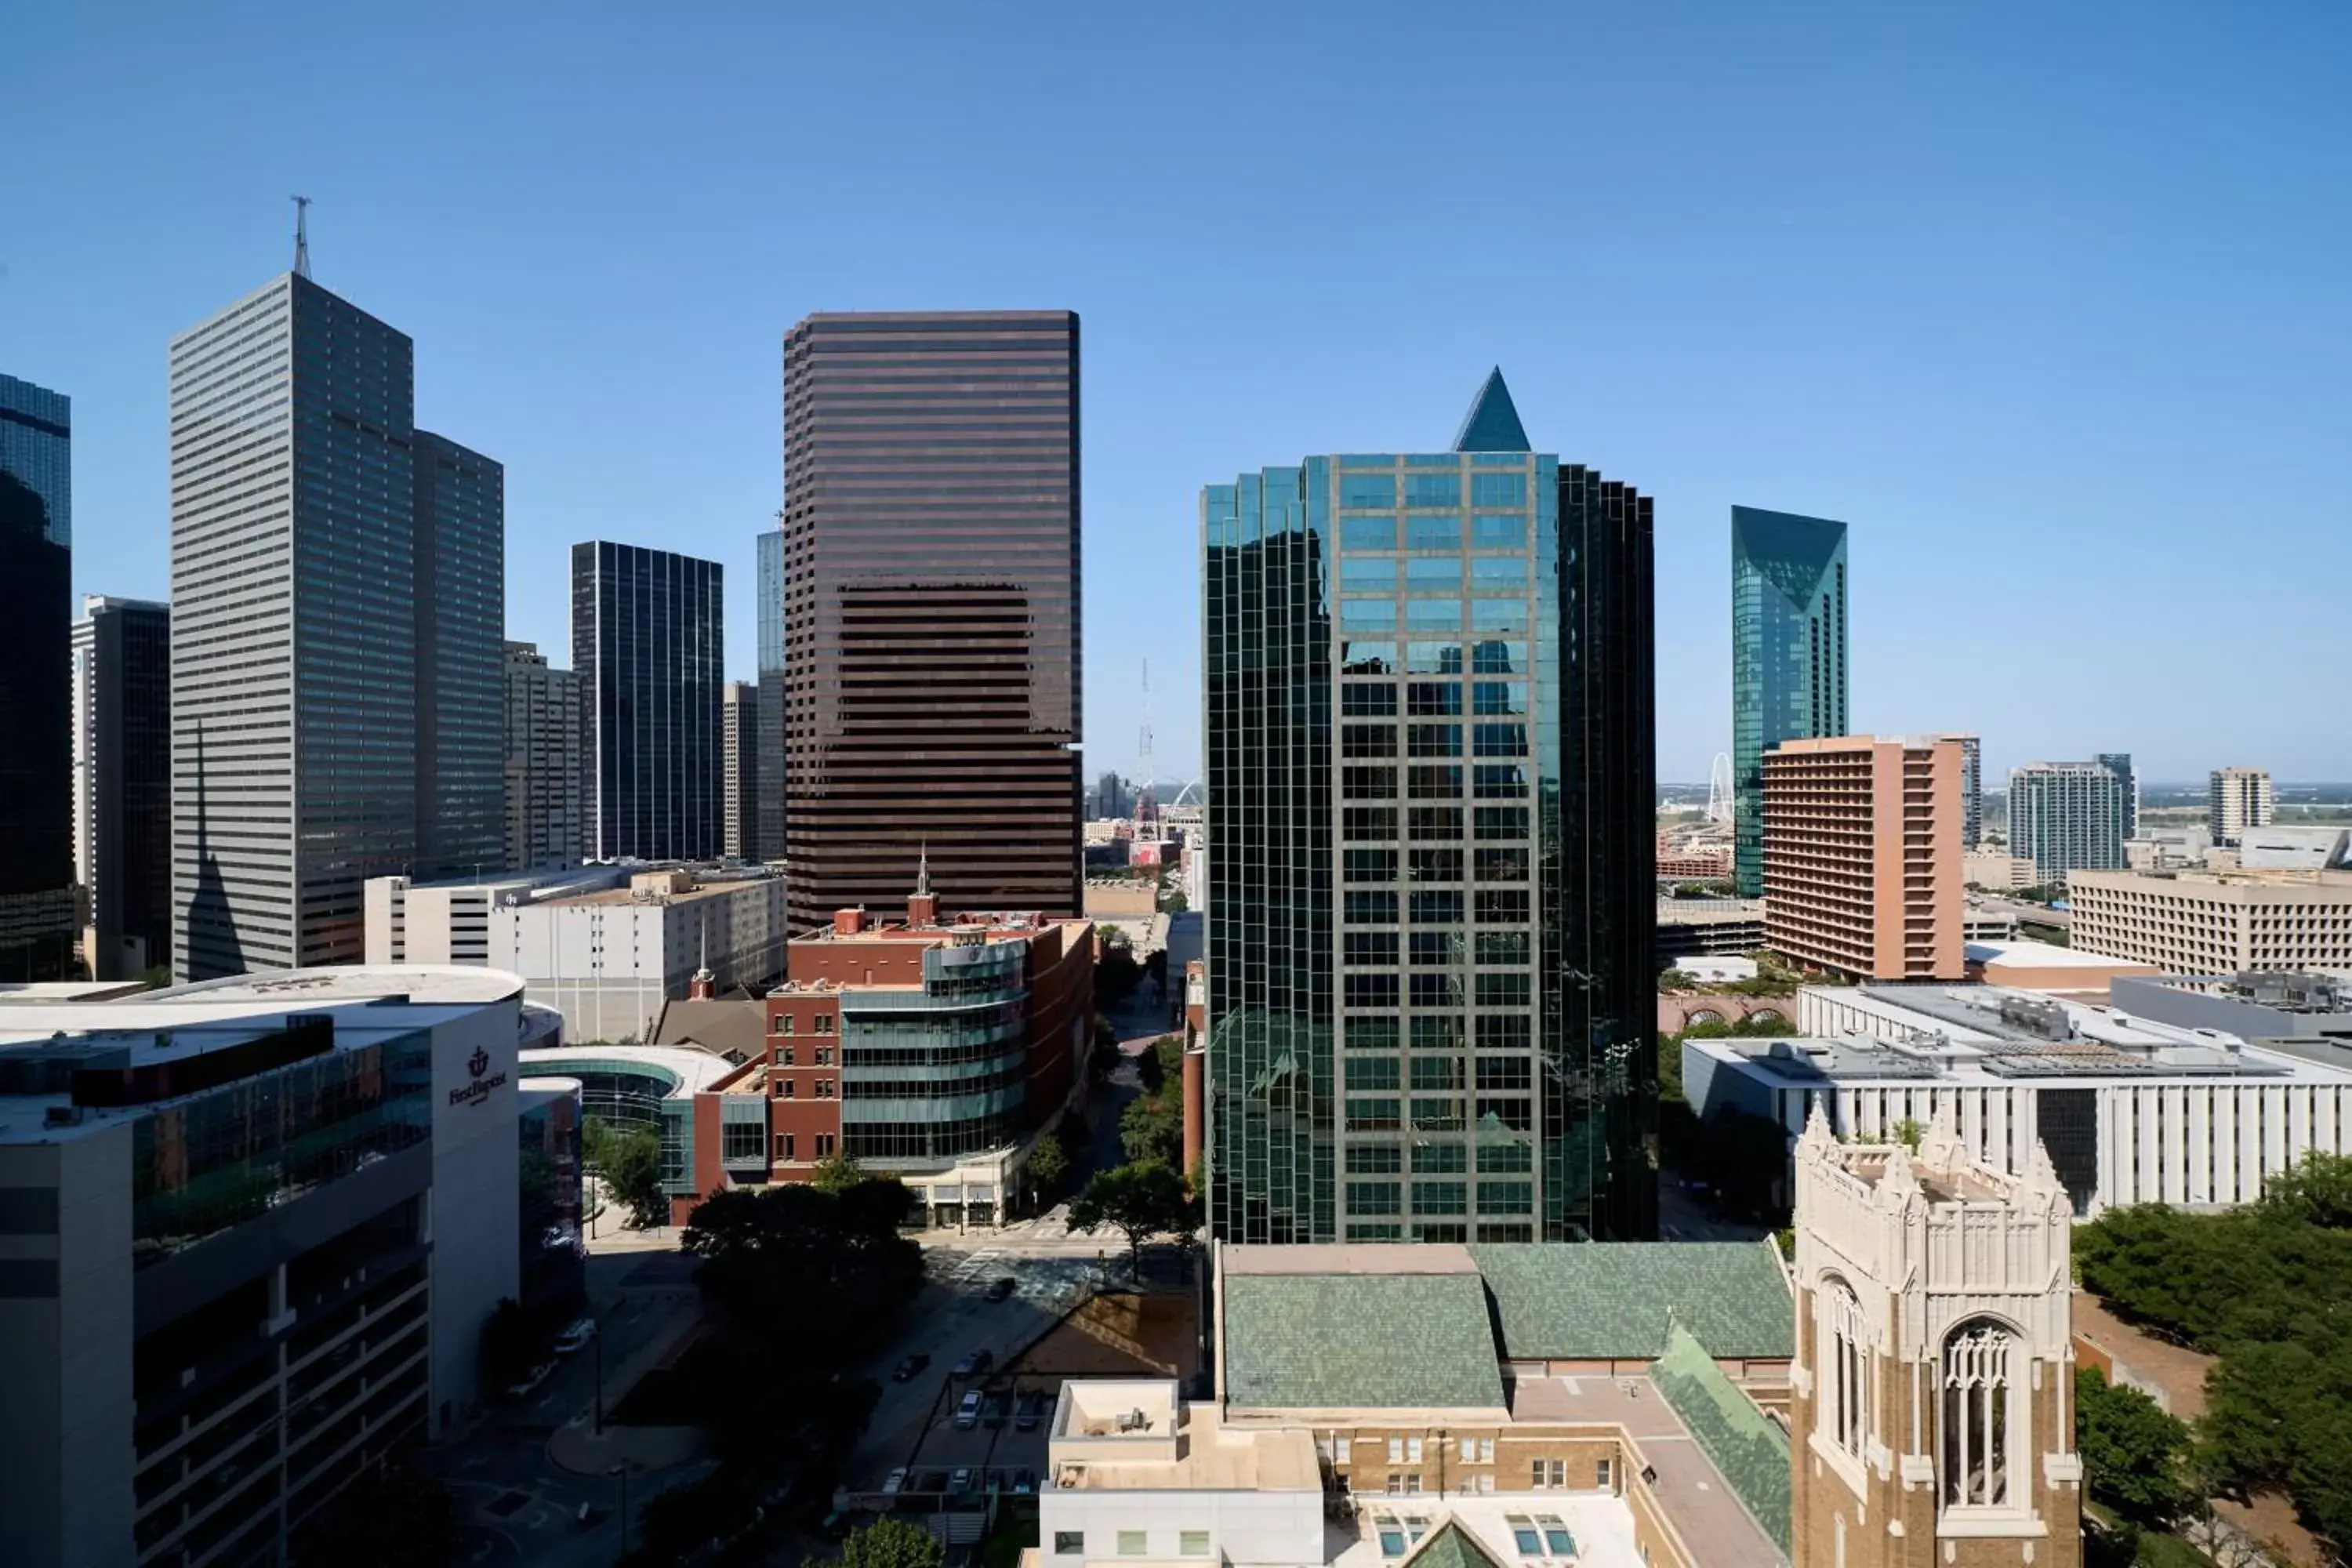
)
(1196, 1065)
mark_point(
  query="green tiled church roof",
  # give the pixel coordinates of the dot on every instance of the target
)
(1594, 1301)
(1300, 1341)
(1450, 1546)
(1751, 1452)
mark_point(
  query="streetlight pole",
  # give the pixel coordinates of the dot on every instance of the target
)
(622, 1472)
(600, 1383)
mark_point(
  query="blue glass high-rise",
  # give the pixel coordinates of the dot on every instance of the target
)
(1430, 736)
(36, 900)
(1787, 656)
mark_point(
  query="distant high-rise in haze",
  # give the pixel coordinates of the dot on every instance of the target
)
(1787, 656)
(2237, 799)
(739, 724)
(647, 644)
(461, 592)
(932, 680)
(336, 620)
(767, 824)
(2066, 817)
(546, 773)
(123, 782)
(38, 931)
(2127, 801)
(1431, 789)
(1112, 799)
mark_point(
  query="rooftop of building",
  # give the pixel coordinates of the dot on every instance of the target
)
(732, 1027)
(43, 1043)
(1813, 1060)
(967, 925)
(683, 1069)
(2045, 955)
(607, 883)
(1709, 911)
(1140, 1435)
(1427, 1325)
(2245, 879)
(17, 993)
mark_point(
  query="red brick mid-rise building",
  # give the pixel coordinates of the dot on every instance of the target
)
(1862, 857)
(931, 1048)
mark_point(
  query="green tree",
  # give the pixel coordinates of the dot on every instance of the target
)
(1678, 979)
(1152, 1130)
(630, 1166)
(2134, 1454)
(890, 1542)
(1140, 1200)
(1049, 1163)
(2317, 1192)
(837, 1173)
(391, 1517)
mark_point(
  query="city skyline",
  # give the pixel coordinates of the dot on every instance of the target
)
(1756, 353)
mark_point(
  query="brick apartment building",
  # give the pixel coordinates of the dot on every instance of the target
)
(1862, 857)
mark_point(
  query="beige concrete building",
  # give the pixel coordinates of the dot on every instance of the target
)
(2237, 799)
(1862, 857)
(2210, 922)
(1996, 870)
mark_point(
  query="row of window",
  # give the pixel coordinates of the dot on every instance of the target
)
(1437, 1032)
(1433, 615)
(1132, 1544)
(1444, 822)
(1441, 1198)
(1436, 1073)
(1496, 1157)
(1379, 740)
(1428, 491)
(1434, 781)
(1485, 657)
(1448, 1114)
(1376, 989)
(1432, 573)
(1494, 949)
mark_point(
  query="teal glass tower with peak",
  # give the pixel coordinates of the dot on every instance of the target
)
(1787, 656)
(1430, 739)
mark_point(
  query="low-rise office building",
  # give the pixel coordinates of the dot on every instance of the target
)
(713, 1133)
(936, 1050)
(606, 946)
(250, 1230)
(1996, 870)
(2127, 1110)
(2216, 923)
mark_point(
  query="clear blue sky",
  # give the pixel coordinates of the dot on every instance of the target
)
(2050, 302)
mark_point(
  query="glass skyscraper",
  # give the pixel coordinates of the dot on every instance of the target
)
(646, 647)
(37, 898)
(336, 623)
(1787, 656)
(765, 831)
(2067, 816)
(123, 782)
(1429, 792)
(932, 676)
(2127, 801)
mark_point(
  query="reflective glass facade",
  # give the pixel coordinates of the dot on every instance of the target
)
(940, 1073)
(1787, 656)
(647, 644)
(931, 608)
(767, 820)
(122, 764)
(36, 904)
(1430, 742)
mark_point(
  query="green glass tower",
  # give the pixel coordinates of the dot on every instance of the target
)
(1787, 655)
(1430, 734)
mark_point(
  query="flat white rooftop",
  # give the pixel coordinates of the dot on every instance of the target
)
(693, 1070)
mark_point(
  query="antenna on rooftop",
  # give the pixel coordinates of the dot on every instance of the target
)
(301, 235)
(1147, 808)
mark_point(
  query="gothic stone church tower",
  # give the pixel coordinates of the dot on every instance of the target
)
(1932, 1421)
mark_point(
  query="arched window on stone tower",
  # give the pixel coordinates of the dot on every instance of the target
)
(1844, 1361)
(1982, 1425)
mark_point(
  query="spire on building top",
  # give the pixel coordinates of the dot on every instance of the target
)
(301, 235)
(923, 871)
(1493, 423)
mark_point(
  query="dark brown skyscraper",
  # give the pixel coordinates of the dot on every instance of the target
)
(932, 609)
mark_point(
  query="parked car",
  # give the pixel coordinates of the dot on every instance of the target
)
(1025, 1482)
(910, 1367)
(975, 1363)
(894, 1482)
(960, 1482)
(576, 1337)
(1029, 1411)
(967, 1415)
(1002, 1287)
(992, 1414)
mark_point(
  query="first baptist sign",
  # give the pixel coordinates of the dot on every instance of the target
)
(480, 1088)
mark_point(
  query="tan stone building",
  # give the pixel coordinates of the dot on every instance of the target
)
(1931, 1418)
(1862, 857)
(2216, 923)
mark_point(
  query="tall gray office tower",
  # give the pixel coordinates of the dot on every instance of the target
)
(1430, 741)
(2067, 816)
(302, 538)
(647, 642)
(546, 783)
(38, 927)
(2127, 801)
(767, 826)
(123, 782)
(460, 513)
(739, 724)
